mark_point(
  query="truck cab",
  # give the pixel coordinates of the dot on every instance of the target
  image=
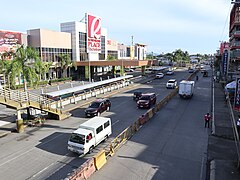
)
(89, 134)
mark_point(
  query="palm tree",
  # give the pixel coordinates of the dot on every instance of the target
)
(65, 63)
(42, 68)
(25, 66)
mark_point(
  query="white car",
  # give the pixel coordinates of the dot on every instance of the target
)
(172, 83)
(170, 72)
(159, 75)
(128, 70)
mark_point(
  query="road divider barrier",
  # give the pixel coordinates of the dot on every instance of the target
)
(142, 119)
(84, 171)
(101, 158)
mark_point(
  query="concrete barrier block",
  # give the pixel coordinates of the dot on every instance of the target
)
(100, 159)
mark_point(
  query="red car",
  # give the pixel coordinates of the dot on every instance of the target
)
(147, 100)
(97, 107)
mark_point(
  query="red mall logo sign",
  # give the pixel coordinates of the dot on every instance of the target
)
(93, 33)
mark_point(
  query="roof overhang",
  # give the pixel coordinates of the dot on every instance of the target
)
(116, 63)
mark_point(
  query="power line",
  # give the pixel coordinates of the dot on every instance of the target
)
(221, 39)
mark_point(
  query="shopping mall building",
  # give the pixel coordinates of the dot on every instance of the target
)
(86, 42)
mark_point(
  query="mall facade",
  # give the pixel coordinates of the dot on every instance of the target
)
(87, 44)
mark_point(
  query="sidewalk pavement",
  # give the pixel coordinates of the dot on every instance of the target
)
(222, 152)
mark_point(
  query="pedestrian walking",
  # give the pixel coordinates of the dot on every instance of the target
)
(238, 125)
(196, 77)
(207, 119)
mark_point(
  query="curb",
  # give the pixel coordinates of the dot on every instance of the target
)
(3, 134)
(212, 170)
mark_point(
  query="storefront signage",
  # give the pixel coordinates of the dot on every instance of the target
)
(225, 62)
(237, 95)
(93, 33)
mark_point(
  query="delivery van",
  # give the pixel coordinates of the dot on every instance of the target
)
(186, 89)
(89, 134)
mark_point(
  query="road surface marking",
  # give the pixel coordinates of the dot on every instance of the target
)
(115, 122)
(25, 152)
(2, 123)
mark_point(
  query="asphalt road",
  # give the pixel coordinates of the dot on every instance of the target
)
(41, 153)
(173, 145)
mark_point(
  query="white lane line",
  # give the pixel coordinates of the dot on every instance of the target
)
(43, 170)
(38, 173)
(2, 123)
(28, 151)
(115, 122)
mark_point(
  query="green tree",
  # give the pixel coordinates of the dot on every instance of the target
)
(65, 63)
(111, 58)
(169, 56)
(24, 66)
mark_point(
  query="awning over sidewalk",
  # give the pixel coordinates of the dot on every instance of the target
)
(230, 87)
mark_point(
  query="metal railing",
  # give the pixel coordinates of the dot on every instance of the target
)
(26, 97)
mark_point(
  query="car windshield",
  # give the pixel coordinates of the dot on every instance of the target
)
(171, 81)
(95, 105)
(77, 138)
(145, 98)
(137, 93)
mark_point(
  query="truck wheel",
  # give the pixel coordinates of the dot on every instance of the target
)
(90, 149)
(105, 138)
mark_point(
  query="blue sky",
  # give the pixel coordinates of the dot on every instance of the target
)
(164, 25)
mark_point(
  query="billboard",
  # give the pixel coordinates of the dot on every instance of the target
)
(237, 95)
(93, 33)
(223, 45)
(9, 40)
(225, 62)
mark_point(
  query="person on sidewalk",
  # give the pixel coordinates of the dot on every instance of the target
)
(238, 125)
(207, 119)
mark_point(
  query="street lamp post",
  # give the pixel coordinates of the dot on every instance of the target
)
(122, 67)
(89, 70)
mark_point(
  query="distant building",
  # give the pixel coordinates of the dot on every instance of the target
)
(50, 44)
(234, 40)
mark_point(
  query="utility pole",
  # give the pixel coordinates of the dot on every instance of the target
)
(132, 49)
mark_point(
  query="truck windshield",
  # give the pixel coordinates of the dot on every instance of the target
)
(77, 138)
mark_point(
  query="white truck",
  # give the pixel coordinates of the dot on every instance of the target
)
(89, 134)
(186, 89)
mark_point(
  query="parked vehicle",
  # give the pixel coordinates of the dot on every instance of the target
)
(186, 89)
(205, 74)
(149, 71)
(97, 107)
(128, 70)
(190, 70)
(89, 134)
(170, 72)
(137, 95)
(172, 83)
(159, 75)
(147, 100)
